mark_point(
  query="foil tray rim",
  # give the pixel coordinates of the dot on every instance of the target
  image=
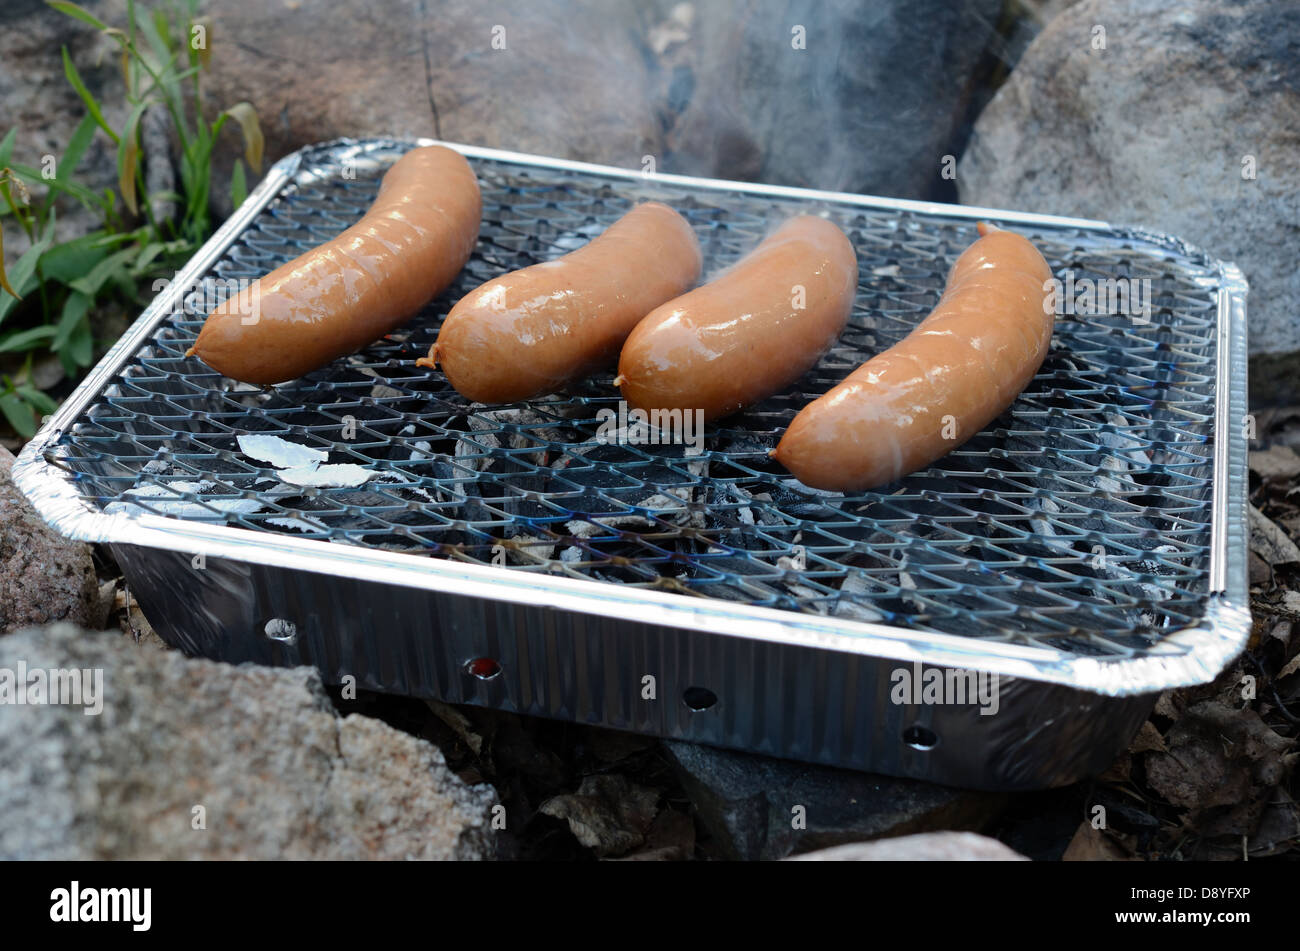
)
(1200, 651)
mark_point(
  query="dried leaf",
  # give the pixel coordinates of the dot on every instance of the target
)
(1222, 766)
(459, 723)
(1279, 828)
(1269, 541)
(1275, 462)
(608, 814)
(1118, 772)
(1094, 845)
(246, 116)
(671, 839)
(1291, 667)
(18, 187)
(614, 746)
(1260, 572)
(4, 278)
(129, 161)
(1167, 705)
(1148, 739)
(124, 52)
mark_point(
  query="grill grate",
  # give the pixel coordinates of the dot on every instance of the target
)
(1079, 520)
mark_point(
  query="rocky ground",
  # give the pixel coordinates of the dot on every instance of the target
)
(1183, 118)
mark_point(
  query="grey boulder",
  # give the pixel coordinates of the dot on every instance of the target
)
(193, 759)
(1187, 121)
(43, 576)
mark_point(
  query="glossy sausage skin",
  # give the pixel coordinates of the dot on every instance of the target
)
(948, 379)
(744, 336)
(531, 331)
(350, 291)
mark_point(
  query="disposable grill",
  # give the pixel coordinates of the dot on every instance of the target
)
(1088, 546)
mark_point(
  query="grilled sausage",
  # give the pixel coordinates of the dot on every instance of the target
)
(948, 379)
(531, 331)
(750, 332)
(357, 287)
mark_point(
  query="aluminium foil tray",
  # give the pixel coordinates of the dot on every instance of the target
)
(1088, 548)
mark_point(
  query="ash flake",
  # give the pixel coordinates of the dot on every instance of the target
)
(280, 453)
(339, 476)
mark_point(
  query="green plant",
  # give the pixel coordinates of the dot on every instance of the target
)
(48, 296)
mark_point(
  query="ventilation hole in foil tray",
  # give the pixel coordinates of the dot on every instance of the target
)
(920, 738)
(278, 629)
(699, 698)
(483, 668)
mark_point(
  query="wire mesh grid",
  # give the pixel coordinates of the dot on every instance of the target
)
(1080, 519)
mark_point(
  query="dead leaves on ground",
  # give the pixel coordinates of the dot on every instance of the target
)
(1212, 774)
(608, 794)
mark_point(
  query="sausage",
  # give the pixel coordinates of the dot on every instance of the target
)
(531, 331)
(944, 382)
(750, 332)
(353, 289)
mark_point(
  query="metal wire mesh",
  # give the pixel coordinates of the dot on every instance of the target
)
(1078, 519)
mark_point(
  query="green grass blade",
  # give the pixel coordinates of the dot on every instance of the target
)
(21, 416)
(20, 341)
(23, 275)
(114, 267)
(70, 71)
(7, 146)
(79, 192)
(77, 146)
(36, 399)
(75, 309)
(238, 184)
(66, 262)
(79, 12)
(81, 345)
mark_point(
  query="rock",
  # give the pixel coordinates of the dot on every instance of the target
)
(278, 774)
(571, 80)
(748, 803)
(708, 89)
(924, 847)
(159, 175)
(1157, 130)
(714, 89)
(36, 97)
(1041, 12)
(43, 576)
(873, 103)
